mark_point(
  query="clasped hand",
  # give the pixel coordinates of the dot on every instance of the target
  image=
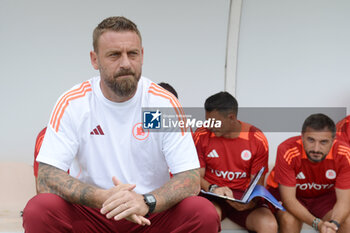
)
(328, 227)
(123, 202)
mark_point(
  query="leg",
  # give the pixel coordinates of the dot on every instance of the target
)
(262, 220)
(193, 214)
(50, 213)
(288, 223)
(218, 209)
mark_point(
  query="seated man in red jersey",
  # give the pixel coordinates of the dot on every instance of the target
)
(343, 130)
(312, 178)
(229, 157)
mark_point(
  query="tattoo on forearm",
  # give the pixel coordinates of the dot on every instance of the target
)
(182, 185)
(54, 180)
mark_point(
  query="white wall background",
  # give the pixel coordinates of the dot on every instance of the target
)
(45, 49)
(292, 53)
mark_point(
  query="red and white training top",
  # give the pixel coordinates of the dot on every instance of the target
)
(231, 162)
(343, 130)
(293, 168)
(97, 139)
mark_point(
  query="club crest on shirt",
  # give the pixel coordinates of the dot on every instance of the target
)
(331, 174)
(139, 133)
(246, 155)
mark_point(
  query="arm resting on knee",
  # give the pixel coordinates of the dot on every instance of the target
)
(59, 182)
(182, 185)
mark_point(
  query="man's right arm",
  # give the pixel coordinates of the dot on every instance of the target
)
(288, 196)
(204, 183)
(59, 182)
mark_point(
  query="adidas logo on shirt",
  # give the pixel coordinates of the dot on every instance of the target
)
(301, 176)
(213, 154)
(97, 131)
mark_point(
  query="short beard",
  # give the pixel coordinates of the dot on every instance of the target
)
(125, 87)
(316, 160)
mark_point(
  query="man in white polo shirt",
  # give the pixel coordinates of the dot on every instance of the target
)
(119, 172)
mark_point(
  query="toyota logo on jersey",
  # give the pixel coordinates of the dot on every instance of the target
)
(313, 185)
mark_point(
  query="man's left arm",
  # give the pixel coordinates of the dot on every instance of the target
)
(340, 210)
(182, 185)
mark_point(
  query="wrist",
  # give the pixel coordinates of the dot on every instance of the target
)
(101, 196)
(212, 187)
(316, 223)
(150, 201)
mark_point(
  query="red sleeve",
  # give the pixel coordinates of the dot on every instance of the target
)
(198, 141)
(38, 142)
(262, 153)
(284, 172)
(343, 176)
(343, 130)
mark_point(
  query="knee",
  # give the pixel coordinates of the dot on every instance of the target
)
(200, 205)
(42, 202)
(287, 220)
(201, 209)
(262, 220)
(38, 207)
(271, 225)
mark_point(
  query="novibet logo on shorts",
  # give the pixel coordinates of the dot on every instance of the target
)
(164, 120)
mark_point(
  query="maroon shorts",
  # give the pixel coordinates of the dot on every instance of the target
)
(318, 206)
(50, 213)
(234, 215)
